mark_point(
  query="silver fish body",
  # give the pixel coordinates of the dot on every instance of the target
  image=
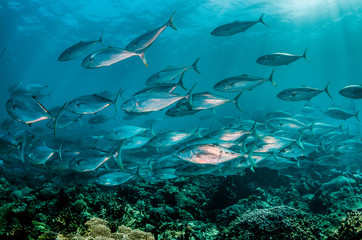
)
(352, 91)
(108, 56)
(338, 113)
(241, 83)
(207, 154)
(78, 49)
(235, 27)
(300, 94)
(278, 59)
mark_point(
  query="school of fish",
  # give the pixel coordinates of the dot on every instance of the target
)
(64, 142)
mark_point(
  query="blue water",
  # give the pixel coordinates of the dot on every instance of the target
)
(36, 32)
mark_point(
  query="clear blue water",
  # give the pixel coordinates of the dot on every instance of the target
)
(36, 32)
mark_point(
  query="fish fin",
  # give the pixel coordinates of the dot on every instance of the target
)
(189, 95)
(236, 101)
(271, 78)
(56, 118)
(170, 21)
(194, 65)
(213, 110)
(60, 152)
(253, 131)
(119, 94)
(326, 89)
(299, 142)
(261, 20)
(197, 132)
(305, 55)
(152, 128)
(118, 154)
(101, 38)
(356, 115)
(311, 128)
(41, 105)
(250, 157)
(181, 83)
(143, 57)
(275, 156)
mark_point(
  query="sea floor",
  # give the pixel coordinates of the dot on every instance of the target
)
(253, 205)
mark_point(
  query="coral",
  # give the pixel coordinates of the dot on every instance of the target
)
(350, 227)
(98, 230)
(273, 223)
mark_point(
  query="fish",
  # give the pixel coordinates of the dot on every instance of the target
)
(7, 144)
(32, 90)
(42, 154)
(278, 113)
(167, 139)
(235, 27)
(278, 59)
(170, 74)
(207, 100)
(303, 93)
(241, 83)
(287, 124)
(111, 179)
(91, 104)
(165, 87)
(135, 142)
(78, 49)
(108, 56)
(329, 160)
(352, 91)
(125, 131)
(141, 43)
(151, 101)
(29, 110)
(340, 114)
(207, 154)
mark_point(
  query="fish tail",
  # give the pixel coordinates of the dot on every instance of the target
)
(356, 115)
(143, 58)
(170, 21)
(181, 83)
(261, 20)
(118, 154)
(189, 95)
(305, 55)
(194, 65)
(115, 101)
(56, 118)
(271, 78)
(250, 158)
(236, 101)
(101, 38)
(326, 89)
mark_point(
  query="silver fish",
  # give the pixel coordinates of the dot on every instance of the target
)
(150, 102)
(125, 131)
(277, 59)
(303, 93)
(235, 27)
(207, 154)
(170, 74)
(32, 90)
(352, 91)
(113, 178)
(207, 100)
(338, 113)
(91, 104)
(167, 139)
(79, 49)
(242, 83)
(165, 87)
(145, 40)
(135, 142)
(29, 110)
(108, 56)
(278, 113)
(287, 124)
(42, 154)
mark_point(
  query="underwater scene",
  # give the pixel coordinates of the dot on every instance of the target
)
(204, 119)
